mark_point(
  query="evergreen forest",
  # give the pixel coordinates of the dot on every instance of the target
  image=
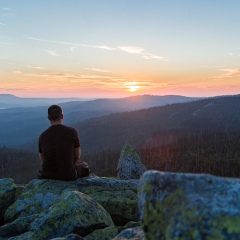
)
(216, 153)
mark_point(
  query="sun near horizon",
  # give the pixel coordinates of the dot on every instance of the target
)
(133, 86)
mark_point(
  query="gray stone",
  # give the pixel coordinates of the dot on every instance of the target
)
(131, 224)
(131, 233)
(129, 165)
(69, 237)
(103, 234)
(189, 206)
(118, 197)
(7, 196)
(49, 209)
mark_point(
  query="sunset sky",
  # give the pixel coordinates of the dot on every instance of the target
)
(119, 48)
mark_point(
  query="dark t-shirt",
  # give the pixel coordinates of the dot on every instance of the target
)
(57, 145)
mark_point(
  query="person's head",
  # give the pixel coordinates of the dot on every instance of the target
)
(55, 113)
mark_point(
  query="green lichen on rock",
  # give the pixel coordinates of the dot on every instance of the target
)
(129, 164)
(48, 209)
(7, 195)
(189, 206)
(18, 226)
(119, 204)
(155, 220)
(71, 212)
(130, 224)
(37, 196)
(118, 197)
(103, 234)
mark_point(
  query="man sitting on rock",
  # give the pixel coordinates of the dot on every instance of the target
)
(60, 151)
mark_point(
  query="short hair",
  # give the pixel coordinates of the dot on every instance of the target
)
(55, 113)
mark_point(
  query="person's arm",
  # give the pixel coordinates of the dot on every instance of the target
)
(77, 154)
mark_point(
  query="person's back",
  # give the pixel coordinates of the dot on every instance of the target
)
(57, 144)
(59, 149)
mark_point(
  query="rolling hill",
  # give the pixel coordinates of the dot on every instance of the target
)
(158, 125)
(161, 124)
(20, 125)
(11, 101)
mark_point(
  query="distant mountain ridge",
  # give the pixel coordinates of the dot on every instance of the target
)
(12, 101)
(20, 125)
(158, 125)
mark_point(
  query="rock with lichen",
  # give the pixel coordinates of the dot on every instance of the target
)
(118, 197)
(69, 237)
(71, 212)
(131, 233)
(8, 191)
(189, 206)
(49, 209)
(103, 234)
(129, 164)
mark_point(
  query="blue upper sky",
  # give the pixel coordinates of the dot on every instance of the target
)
(111, 48)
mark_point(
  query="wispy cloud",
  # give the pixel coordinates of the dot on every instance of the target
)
(129, 49)
(64, 75)
(2, 24)
(98, 70)
(70, 81)
(227, 73)
(8, 9)
(53, 53)
(33, 67)
(103, 47)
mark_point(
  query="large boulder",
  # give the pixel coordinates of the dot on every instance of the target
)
(38, 195)
(129, 164)
(189, 206)
(118, 197)
(49, 209)
(71, 212)
(8, 191)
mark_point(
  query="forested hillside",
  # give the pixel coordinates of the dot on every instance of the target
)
(21, 125)
(198, 137)
(20, 165)
(213, 153)
(164, 123)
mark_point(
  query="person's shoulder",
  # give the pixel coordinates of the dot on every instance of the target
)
(70, 128)
(44, 133)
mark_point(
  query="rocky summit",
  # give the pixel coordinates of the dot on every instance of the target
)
(88, 208)
(159, 206)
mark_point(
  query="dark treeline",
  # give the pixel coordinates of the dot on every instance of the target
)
(216, 153)
(22, 166)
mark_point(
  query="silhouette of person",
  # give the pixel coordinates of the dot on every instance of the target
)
(60, 150)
